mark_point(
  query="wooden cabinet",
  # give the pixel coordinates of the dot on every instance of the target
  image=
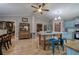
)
(24, 31)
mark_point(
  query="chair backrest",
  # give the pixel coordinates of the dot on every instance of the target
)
(59, 35)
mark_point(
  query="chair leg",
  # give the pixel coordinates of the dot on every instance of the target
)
(1, 49)
(53, 46)
(7, 44)
(63, 47)
(4, 44)
(53, 51)
(58, 47)
(10, 42)
(49, 46)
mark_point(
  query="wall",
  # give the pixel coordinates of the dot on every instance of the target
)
(18, 19)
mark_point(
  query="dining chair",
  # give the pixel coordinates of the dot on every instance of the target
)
(9, 39)
(5, 41)
(61, 40)
(53, 42)
(56, 41)
(1, 46)
(61, 43)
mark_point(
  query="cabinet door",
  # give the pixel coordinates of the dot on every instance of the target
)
(57, 27)
(69, 24)
(24, 31)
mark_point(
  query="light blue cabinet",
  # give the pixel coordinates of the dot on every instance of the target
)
(69, 24)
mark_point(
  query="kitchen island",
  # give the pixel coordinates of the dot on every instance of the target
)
(73, 47)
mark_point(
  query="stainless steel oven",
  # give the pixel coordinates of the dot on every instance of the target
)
(77, 35)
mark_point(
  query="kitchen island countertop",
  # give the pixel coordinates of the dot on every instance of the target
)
(74, 44)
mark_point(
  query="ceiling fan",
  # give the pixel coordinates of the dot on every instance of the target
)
(39, 8)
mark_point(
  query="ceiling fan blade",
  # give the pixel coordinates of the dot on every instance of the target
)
(34, 11)
(39, 6)
(34, 7)
(43, 4)
(45, 9)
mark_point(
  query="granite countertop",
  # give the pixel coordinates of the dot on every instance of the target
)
(73, 44)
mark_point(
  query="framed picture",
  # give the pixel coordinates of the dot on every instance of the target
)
(24, 19)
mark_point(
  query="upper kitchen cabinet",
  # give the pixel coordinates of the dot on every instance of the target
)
(69, 23)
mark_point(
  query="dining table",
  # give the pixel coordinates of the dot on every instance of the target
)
(43, 38)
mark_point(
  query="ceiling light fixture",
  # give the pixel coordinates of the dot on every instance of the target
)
(57, 18)
(39, 10)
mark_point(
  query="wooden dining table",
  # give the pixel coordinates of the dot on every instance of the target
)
(42, 38)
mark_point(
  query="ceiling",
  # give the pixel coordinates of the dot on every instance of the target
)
(65, 10)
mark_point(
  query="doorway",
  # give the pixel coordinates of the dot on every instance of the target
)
(39, 27)
(10, 26)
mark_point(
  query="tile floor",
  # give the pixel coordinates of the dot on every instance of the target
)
(29, 47)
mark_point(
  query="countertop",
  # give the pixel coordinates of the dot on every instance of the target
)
(74, 44)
